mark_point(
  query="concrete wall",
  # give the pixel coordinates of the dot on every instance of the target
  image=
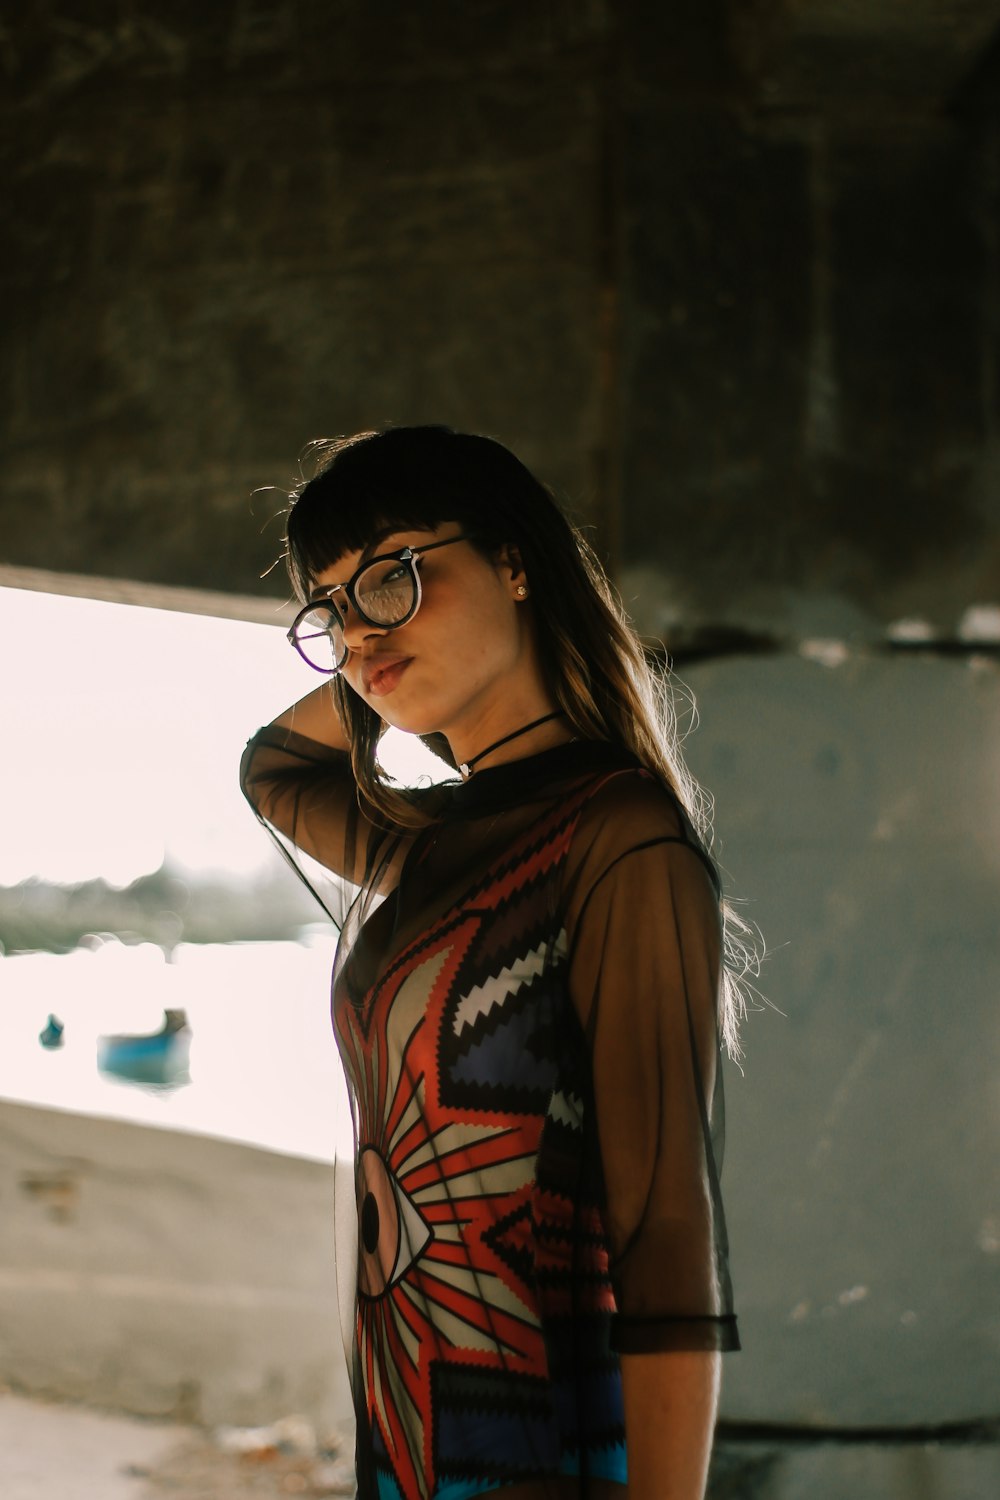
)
(749, 324)
(166, 1274)
(859, 808)
(242, 227)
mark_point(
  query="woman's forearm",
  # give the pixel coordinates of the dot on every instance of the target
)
(671, 1399)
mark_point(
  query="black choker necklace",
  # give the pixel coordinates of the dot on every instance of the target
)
(466, 768)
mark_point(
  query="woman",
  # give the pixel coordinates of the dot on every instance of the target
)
(529, 991)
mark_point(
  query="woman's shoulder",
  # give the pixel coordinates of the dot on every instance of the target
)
(634, 803)
(626, 810)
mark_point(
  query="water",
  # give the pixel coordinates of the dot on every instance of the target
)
(264, 1066)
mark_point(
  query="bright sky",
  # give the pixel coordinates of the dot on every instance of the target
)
(124, 732)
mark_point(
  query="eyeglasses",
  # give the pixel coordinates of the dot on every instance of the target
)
(385, 592)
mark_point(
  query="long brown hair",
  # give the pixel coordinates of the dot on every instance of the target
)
(594, 663)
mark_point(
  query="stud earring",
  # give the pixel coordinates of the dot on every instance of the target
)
(521, 591)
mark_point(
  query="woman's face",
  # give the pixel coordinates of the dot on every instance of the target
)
(465, 657)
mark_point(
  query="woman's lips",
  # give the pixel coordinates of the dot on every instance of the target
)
(381, 678)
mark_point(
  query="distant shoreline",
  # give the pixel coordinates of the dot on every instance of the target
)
(165, 907)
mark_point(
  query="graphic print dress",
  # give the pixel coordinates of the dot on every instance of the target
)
(525, 1001)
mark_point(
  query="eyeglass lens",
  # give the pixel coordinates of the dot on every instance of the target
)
(385, 594)
(387, 591)
(320, 639)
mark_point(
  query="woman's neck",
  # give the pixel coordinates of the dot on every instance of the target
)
(528, 735)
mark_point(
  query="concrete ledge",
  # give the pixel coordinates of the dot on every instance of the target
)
(166, 1274)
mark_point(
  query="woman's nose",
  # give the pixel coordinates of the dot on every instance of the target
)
(356, 630)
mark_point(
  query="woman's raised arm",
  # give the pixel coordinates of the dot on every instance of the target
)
(296, 774)
(315, 717)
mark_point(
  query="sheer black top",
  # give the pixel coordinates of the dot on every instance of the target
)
(525, 1000)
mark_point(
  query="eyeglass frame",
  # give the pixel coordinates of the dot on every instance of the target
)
(408, 555)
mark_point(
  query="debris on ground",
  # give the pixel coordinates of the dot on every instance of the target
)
(288, 1435)
(235, 1463)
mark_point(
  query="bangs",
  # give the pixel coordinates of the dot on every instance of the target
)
(322, 530)
(355, 495)
(407, 478)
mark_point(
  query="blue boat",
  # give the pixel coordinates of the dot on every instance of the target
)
(157, 1057)
(52, 1036)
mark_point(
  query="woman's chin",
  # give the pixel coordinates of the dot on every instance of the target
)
(414, 723)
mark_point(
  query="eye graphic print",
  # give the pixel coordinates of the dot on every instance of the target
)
(393, 1232)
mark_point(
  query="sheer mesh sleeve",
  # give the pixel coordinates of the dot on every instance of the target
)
(645, 960)
(305, 795)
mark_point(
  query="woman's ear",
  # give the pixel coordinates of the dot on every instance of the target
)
(510, 568)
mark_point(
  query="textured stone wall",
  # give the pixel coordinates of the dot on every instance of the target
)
(751, 333)
(238, 228)
(809, 395)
